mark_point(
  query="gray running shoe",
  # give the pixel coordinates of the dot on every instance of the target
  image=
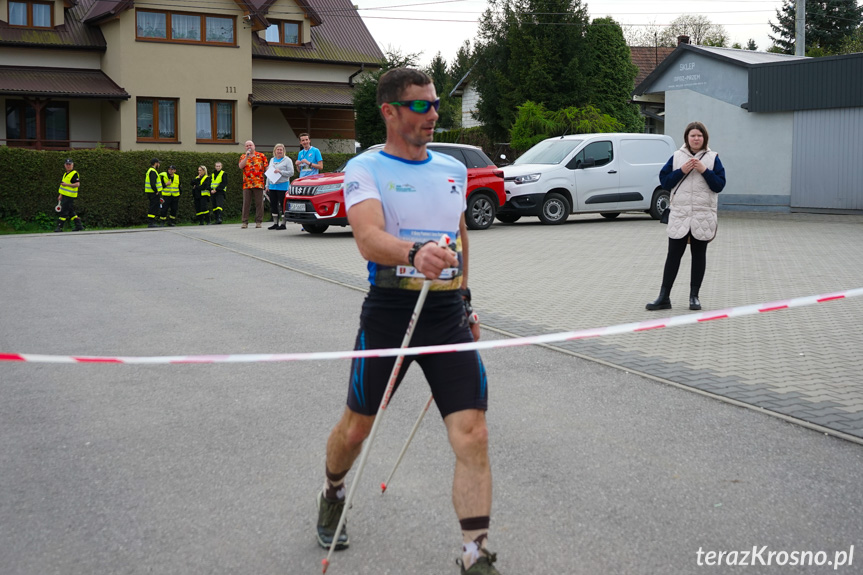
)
(329, 513)
(483, 565)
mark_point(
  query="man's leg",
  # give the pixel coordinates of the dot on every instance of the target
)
(152, 209)
(247, 197)
(471, 489)
(259, 206)
(343, 447)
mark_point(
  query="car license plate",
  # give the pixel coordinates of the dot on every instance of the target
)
(295, 207)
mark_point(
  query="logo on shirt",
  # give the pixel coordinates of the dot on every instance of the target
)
(453, 188)
(352, 187)
(393, 187)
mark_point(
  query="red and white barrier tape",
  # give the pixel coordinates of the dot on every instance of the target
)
(479, 345)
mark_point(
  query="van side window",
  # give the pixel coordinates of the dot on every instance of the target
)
(601, 152)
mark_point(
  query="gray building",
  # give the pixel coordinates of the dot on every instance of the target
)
(788, 129)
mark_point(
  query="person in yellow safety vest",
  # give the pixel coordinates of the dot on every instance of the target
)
(68, 191)
(201, 194)
(170, 196)
(218, 188)
(153, 190)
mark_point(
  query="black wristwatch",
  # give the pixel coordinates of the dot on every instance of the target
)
(412, 254)
(465, 294)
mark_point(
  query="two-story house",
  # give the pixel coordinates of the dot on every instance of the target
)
(189, 75)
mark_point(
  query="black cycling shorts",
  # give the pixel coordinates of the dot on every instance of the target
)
(457, 380)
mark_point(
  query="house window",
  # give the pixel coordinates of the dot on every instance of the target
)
(31, 14)
(220, 30)
(214, 120)
(284, 33)
(186, 28)
(157, 120)
(21, 123)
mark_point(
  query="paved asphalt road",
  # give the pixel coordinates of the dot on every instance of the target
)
(210, 469)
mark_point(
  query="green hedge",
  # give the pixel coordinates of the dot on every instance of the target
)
(112, 183)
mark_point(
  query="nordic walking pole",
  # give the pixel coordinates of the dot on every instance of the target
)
(472, 318)
(408, 442)
(384, 402)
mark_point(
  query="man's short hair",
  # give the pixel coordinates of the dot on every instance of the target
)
(306, 135)
(393, 84)
(154, 161)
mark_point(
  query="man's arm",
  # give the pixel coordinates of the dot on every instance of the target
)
(319, 165)
(154, 181)
(376, 245)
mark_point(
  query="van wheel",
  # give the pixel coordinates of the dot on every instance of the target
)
(508, 218)
(479, 214)
(609, 215)
(661, 200)
(315, 228)
(555, 209)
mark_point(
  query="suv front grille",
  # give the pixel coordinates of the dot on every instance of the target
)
(303, 190)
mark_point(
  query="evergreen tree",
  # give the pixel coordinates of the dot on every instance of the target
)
(751, 45)
(828, 24)
(612, 73)
(529, 50)
(450, 109)
(462, 63)
(854, 42)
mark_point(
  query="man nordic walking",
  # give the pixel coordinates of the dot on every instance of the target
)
(400, 201)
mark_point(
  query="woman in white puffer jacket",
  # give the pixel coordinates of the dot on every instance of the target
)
(695, 175)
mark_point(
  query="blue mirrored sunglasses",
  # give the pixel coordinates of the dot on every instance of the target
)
(418, 106)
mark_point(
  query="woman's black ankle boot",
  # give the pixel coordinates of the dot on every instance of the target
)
(662, 302)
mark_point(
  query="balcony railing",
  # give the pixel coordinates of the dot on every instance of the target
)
(59, 144)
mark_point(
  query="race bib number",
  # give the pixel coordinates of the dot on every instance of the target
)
(425, 236)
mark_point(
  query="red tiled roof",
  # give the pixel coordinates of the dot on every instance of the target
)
(73, 34)
(647, 58)
(342, 37)
(59, 82)
(287, 93)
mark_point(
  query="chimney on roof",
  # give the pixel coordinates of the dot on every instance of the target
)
(682, 39)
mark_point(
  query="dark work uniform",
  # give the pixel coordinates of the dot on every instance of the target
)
(201, 192)
(67, 202)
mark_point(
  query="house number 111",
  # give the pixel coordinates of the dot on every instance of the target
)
(230, 89)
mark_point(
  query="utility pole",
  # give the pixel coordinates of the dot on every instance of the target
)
(800, 34)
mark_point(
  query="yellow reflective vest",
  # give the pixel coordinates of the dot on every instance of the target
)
(172, 186)
(216, 181)
(147, 188)
(65, 188)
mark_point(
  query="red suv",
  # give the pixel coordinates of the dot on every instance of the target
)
(318, 202)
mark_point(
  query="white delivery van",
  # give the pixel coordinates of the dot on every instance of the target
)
(587, 173)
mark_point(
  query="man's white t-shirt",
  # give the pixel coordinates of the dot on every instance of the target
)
(421, 200)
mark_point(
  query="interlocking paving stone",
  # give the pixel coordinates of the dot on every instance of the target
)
(530, 279)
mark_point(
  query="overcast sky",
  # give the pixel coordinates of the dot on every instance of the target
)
(429, 26)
